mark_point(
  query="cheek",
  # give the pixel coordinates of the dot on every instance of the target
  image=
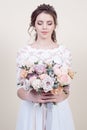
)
(38, 28)
(51, 28)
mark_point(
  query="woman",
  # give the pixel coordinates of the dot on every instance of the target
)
(48, 116)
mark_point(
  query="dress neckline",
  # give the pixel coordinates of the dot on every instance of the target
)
(41, 49)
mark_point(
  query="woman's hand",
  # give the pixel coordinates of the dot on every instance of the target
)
(62, 95)
(49, 97)
(33, 96)
(55, 98)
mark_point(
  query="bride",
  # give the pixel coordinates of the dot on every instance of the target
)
(45, 47)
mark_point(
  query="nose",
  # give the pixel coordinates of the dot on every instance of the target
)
(44, 26)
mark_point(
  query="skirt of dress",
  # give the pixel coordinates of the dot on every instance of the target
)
(45, 117)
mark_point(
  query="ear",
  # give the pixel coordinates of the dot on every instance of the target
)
(34, 28)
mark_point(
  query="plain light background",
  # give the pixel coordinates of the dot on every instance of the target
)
(71, 31)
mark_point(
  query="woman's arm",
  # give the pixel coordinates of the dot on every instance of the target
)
(22, 94)
(31, 95)
(42, 98)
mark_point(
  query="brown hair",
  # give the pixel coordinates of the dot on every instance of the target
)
(46, 8)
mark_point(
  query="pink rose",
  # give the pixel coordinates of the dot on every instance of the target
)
(47, 84)
(64, 69)
(57, 70)
(64, 79)
(39, 69)
(43, 76)
(32, 79)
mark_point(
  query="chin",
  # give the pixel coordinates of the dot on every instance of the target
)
(45, 37)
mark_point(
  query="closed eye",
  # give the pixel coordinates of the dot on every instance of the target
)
(49, 22)
(40, 22)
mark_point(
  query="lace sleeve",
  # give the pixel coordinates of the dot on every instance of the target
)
(67, 57)
(20, 59)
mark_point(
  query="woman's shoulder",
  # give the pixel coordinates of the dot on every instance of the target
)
(65, 52)
(23, 49)
(63, 49)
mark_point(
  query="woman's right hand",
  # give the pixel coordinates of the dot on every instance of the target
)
(33, 96)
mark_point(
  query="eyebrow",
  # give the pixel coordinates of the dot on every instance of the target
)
(43, 21)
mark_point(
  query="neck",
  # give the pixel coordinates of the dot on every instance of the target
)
(44, 41)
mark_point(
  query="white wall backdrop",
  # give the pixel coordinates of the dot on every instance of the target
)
(72, 30)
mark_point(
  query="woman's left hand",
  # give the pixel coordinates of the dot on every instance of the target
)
(49, 97)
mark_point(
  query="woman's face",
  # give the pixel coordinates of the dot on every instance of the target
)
(44, 26)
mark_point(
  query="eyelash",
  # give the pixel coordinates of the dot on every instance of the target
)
(50, 23)
(39, 23)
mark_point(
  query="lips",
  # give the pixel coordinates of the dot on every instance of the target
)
(44, 32)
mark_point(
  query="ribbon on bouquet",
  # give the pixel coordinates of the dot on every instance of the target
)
(46, 116)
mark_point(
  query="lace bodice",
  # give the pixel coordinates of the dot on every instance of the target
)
(28, 54)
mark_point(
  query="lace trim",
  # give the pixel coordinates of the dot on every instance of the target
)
(40, 49)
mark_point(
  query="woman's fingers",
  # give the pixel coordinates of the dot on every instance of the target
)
(50, 100)
(47, 94)
(43, 98)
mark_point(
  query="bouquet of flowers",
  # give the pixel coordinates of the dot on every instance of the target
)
(45, 76)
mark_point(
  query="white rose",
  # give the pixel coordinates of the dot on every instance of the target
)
(36, 84)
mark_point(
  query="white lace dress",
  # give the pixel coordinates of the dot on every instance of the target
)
(51, 117)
